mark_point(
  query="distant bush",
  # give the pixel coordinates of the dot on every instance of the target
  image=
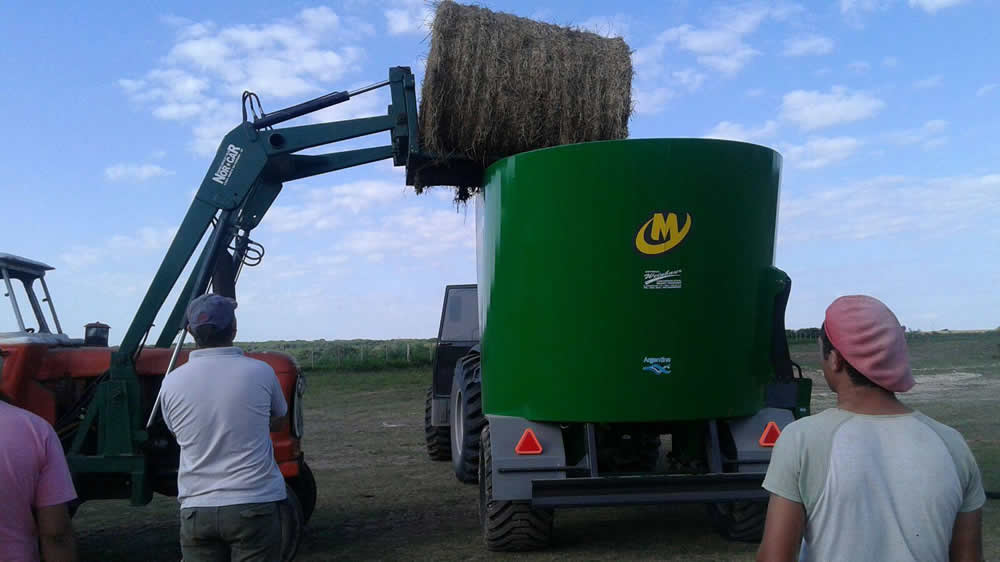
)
(352, 355)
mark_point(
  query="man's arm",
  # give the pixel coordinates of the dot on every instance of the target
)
(967, 537)
(55, 533)
(783, 530)
(279, 408)
(278, 422)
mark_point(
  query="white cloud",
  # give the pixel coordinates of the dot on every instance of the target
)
(987, 89)
(324, 208)
(408, 16)
(812, 110)
(929, 82)
(927, 135)
(853, 10)
(859, 66)
(414, 232)
(727, 130)
(119, 247)
(720, 46)
(135, 172)
(607, 26)
(933, 6)
(858, 211)
(689, 78)
(208, 66)
(848, 6)
(808, 45)
(651, 102)
(890, 62)
(820, 152)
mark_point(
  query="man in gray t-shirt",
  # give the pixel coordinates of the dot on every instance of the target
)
(871, 479)
(221, 406)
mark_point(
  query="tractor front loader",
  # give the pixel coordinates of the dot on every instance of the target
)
(103, 401)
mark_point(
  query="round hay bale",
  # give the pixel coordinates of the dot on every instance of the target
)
(498, 84)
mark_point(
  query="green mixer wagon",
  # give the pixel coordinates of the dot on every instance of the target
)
(631, 341)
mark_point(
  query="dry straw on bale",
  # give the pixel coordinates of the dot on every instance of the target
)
(497, 84)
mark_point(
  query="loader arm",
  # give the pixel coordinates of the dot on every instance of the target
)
(245, 177)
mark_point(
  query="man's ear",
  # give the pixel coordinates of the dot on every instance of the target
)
(838, 360)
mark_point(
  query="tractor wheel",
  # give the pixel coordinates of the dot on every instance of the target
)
(438, 438)
(508, 526)
(305, 489)
(739, 521)
(292, 524)
(467, 420)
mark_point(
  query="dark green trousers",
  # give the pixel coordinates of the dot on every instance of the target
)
(240, 533)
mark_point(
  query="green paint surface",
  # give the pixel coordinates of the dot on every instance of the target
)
(570, 329)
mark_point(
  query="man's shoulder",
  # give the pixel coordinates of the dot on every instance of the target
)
(12, 417)
(825, 421)
(952, 437)
(14, 414)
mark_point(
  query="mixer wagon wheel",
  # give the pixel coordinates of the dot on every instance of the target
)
(292, 524)
(467, 419)
(508, 526)
(438, 438)
(739, 521)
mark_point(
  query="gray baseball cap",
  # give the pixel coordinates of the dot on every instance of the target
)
(211, 310)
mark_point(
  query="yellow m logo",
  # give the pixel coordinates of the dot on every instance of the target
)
(661, 234)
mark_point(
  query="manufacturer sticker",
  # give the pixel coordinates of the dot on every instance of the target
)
(669, 279)
(227, 165)
(662, 233)
(656, 365)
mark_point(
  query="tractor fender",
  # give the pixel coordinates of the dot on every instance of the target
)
(512, 473)
(746, 434)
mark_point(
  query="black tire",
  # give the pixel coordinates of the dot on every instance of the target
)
(508, 526)
(467, 420)
(438, 438)
(292, 524)
(305, 489)
(739, 521)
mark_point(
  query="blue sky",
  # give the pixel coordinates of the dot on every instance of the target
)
(886, 113)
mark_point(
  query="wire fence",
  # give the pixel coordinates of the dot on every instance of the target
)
(352, 355)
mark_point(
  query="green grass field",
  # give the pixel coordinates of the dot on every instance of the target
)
(381, 498)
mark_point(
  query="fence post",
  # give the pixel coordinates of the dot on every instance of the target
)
(362, 352)
(386, 351)
(407, 352)
(312, 357)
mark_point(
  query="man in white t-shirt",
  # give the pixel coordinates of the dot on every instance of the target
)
(221, 406)
(871, 479)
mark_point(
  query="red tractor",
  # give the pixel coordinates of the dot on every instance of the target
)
(57, 377)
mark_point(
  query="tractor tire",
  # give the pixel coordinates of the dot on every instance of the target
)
(438, 438)
(292, 524)
(508, 526)
(305, 489)
(739, 521)
(467, 420)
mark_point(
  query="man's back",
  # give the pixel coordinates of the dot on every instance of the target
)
(219, 405)
(876, 487)
(33, 474)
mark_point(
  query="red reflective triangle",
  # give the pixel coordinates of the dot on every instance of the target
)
(528, 445)
(770, 435)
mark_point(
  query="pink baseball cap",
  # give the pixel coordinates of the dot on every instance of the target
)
(868, 335)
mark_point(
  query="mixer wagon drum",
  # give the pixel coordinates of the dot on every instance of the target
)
(628, 289)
